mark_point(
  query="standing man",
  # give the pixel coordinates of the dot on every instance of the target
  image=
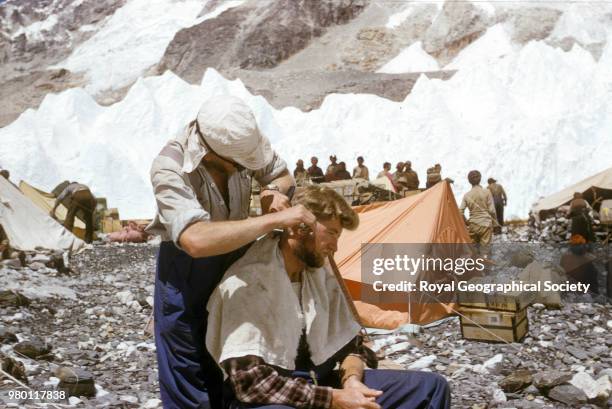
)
(202, 186)
(361, 170)
(399, 177)
(499, 199)
(412, 179)
(341, 172)
(330, 172)
(314, 172)
(482, 211)
(386, 171)
(582, 223)
(79, 199)
(299, 173)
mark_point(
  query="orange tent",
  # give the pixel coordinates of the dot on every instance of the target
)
(423, 219)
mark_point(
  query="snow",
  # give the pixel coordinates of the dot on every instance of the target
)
(536, 118)
(225, 5)
(35, 31)
(131, 41)
(411, 59)
(134, 39)
(494, 44)
(586, 23)
(395, 20)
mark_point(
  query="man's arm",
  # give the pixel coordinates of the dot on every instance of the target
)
(491, 205)
(58, 201)
(255, 382)
(189, 225)
(504, 197)
(276, 173)
(203, 239)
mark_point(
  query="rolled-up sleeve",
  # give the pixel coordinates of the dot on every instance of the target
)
(177, 204)
(274, 169)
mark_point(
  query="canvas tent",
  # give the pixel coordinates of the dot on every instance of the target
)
(428, 217)
(594, 189)
(27, 226)
(45, 201)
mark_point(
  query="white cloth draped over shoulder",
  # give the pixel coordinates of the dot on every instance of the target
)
(254, 310)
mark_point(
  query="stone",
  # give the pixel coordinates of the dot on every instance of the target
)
(152, 404)
(6, 336)
(494, 365)
(498, 396)
(9, 298)
(41, 258)
(13, 367)
(597, 391)
(568, 394)
(549, 379)
(128, 399)
(76, 381)
(36, 266)
(521, 258)
(34, 348)
(516, 381)
(606, 372)
(577, 352)
(12, 263)
(422, 363)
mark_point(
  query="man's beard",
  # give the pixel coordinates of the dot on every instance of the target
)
(311, 258)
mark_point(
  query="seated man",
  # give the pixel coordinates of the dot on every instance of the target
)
(278, 323)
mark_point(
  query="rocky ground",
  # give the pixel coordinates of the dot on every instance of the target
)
(83, 332)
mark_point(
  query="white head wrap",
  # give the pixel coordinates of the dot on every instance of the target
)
(229, 127)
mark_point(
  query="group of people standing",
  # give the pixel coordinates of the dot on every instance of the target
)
(335, 171)
(486, 208)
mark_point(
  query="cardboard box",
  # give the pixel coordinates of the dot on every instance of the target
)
(493, 325)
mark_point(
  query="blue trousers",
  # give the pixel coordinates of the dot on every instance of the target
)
(401, 390)
(189, 378)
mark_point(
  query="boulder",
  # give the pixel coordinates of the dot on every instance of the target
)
(568, 394)
(76, 381)
(516, 381)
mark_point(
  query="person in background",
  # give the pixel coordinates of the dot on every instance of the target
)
(482, 211)
(386, 171)
(582, 223)
(300, 174)
(314, 172)
(79, 200)
(499, 200)
(341, 172)
(399, 177)
(412, 179)
(330, 172)
(578, 263)
(361, 171)
(434, 175)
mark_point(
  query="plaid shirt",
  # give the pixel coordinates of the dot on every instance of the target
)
(254, 381)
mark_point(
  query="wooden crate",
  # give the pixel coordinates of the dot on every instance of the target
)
(110, 225)
(493, 326)
(511, 302)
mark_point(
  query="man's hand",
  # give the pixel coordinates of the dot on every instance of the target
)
(273, 201)
(354, 383)
(294, 216)
(352, 398)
